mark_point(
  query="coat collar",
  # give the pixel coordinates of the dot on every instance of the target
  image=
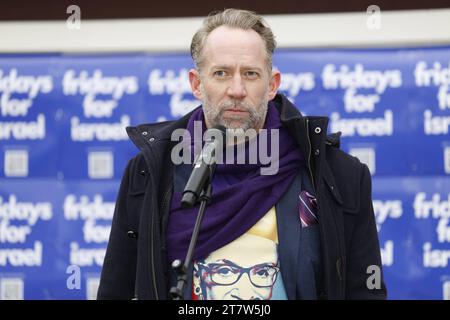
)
(290, 117)
(148, 136)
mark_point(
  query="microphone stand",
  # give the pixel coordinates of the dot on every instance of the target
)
(177, 292)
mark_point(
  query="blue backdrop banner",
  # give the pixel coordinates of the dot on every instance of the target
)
(64, 148)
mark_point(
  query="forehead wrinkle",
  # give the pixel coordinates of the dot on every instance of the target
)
(230, 66)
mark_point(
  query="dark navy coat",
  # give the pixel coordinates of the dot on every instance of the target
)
(136, 264)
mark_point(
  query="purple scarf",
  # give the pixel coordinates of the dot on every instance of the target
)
(241, 196)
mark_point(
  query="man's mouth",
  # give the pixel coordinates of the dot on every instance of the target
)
(236, 111)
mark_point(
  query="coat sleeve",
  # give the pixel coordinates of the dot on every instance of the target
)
(119, 267)
(364, 270)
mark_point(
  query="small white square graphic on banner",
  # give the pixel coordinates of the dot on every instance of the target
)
(447, 160)
(11, 289)
(16, 163)
(446, 290)
(100, 165)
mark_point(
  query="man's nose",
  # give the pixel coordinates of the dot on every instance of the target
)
(236, 89)
(244, 288)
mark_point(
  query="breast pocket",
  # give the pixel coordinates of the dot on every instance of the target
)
(135, 202)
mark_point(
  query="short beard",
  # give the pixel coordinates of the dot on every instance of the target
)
(255, 120)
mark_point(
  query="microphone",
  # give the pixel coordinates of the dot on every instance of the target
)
(204, 166)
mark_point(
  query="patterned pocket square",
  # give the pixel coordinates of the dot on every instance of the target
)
(307, 209)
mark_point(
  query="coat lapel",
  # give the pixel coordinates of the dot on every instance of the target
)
(289, 228)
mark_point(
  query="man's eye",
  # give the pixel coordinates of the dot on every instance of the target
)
(262, 272)
(225, 271)
(220, 73)
(252, 74)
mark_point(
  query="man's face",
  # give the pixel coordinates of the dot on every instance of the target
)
(234, 83)
(228, 274)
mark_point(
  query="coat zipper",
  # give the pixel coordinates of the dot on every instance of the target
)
(309, 156)
(339, 261)
(152, 253)
(163, 209)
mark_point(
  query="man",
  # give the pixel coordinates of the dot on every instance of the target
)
(228, 274)
(316, 208)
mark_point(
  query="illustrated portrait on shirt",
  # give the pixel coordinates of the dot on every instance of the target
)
(245, 269)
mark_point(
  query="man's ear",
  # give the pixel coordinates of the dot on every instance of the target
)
(274, 84)
(195, 81)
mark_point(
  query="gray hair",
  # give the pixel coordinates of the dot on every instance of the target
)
(234, 18)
